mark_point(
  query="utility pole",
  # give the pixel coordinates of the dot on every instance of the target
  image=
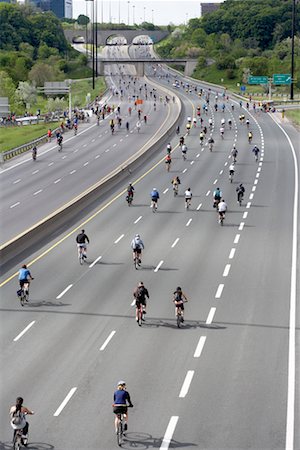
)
(128, 2)
(96, 37)
(93, 43)
(293, 49)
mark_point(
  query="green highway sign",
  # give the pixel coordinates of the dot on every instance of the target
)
(257, 80)
(282, 78)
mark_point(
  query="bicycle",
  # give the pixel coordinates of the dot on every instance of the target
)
(211, 146)
(221, 217)
(175, 189)
(59, 146)
(18, 441)
(231, 176)
(137, 261)
(154, 205)
(23, 294)
(120, 427)
(140, 314)
(81, 253)
(188, 203)
(240, 198)
(129, 199)
(179, 316)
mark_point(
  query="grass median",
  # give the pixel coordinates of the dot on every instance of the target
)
(15, 136)
(294, 116)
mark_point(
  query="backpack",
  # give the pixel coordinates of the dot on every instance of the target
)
(140, 295)
(178, 297)
(17, 418)
(137, 244)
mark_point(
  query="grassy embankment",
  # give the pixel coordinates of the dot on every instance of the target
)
(294, 116)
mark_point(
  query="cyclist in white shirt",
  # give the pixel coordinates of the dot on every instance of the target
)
(188, 197)
(222, 208)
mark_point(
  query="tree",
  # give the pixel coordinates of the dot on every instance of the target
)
(82, 19)
(44, 51)
(40, 73)
(26, 93)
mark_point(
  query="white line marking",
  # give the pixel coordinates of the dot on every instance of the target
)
(226, 270)
(241, 226)
(35, 171)
(207, 193)
(255, 181)
(251, 196)
(85, 164)
(245, 215)
(114, 145)
(198, 154)
(138, 219)
(93, 140)
(216, 180)
(199, 347)
(64, 291)
(192, 162)
(259, 169)
(57, 181)
(119, 238)
(121, 140)
(72, 171)
(15, 204)
(166, 190)
(100, 136)
(97, 156)
(50, 164)
(188, 222)
(158, 266)
(107, 150)
(257, 175)
(232, 252)
(175, 242)
(221, 171)
(76, 150)
(24, 331)
(219, 290)
(95, 262)
(260, 164)
(253, 188)
(133, 302)
(199, 206)
(184, 170)
(38, 192)
(64, 157)
(236, 239)
(226, 163)
(169, 433)
(84, 145)
(17, 181)
(248, 205)
(210, 315)
(186, 384)
(107, 341)
(65, 401)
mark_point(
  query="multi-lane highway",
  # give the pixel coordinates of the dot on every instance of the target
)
(223, 381)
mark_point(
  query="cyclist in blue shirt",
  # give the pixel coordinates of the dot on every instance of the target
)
(24, 275)
(121, 402)
(154, 197)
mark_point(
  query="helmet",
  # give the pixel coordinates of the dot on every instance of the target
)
(82, 231)
(154, 189)
(178, 288)
(241, 184)
(169, 145)
(141, 284)
(121, 383)
(137, 236)
(24, 266)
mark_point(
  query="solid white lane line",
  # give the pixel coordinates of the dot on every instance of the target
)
(38, 192)
(17, 181)
(232, 252)
(175, 242)
(138, 219)
(169, 433)
(188, 222)
(241, 226)
(207, 193)
(251, 196)
(248, 205)
(65, 401)
(199, 206)
(85, 164)
(97, 156)
(35, 171)
(236, 239)
(199, 347)
(226, 270)
(216, 180)
(24, 331)
(186, 384)
(15, 204)
(184, 170)
(221, 171)
(210, 316)
(57, 181)
(64, 291)
(219, 290)
(107, 341)
(245, 215)
(166, 190)
(95, 262)
(119, 238)
(158, 266)
(50, 164)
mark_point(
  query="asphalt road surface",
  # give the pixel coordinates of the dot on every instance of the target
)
(219, 382)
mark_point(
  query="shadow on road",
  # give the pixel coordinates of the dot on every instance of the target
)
(138, 440)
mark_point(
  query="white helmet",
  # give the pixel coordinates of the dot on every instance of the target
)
(121, 383)
(154, 189)
(137, 236)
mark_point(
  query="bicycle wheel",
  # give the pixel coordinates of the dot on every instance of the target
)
(17, 442)
(135, 262)
(178, 319)
(22, 298)
(120, 433)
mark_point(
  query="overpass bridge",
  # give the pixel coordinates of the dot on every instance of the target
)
(103, 36)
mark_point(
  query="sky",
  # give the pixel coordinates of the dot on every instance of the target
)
(161, 12)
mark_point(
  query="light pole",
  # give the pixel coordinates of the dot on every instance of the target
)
(133, 19)
(109, 11)
(144, 13)
(152, 15)
(119, 12)
(293, 50)
(128, 2)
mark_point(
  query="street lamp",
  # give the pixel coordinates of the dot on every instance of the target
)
(128, 12)
(152, 15)
(293, 50)
(133, 19)
(144, 13)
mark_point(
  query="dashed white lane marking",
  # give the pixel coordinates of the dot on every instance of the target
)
(199, 347)
(65, 401)
(72, 171)
(221, 171)
(241, 226)
(15, 204)
(216, 180)
(138, 219)
(57, 181)
(95, 262)
(210, 316)
(260, 164)
(93, 140)
(119, 238)
(186, 384)
(114, 145)
(199, 206)
(107, 340)
(166, 190)
(198, 154)
(97, 156)
(64, 291)
(257, 175)
(219, 291)
(237, 238)
(50, 164)
(251, 196)
(192, 162)
(64, 157)
(17, 181)
(76, 150)
(245, 215)
(158, 266)
(248, 205)
(207, 193)
(184, 170)
(175, 242)
(133, 302)
(107, 150)
(255, 181)
(188, 222)
(226, 270)
(100, 136)
(35, 171)
(226, 163)
(86, 163)
(121, 140)
(169, 433)
(24, 331)
(38, 192)
(229, 156)
(259, 169)
(84, 145)
(232, 252)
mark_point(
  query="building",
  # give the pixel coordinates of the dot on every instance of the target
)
(61, 8)
(208, 7)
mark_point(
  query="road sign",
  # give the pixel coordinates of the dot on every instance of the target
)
(243, 88)
(258, 80)
(282, 78)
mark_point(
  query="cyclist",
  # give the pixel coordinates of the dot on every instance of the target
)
(195, 121)
(223, 122)
(179, 298)
(154, 197)
(231, 171)
(25, 277)
(255, 150)
(138, 125)
(247, 123)
(121, 399)
(59, 140)
(250, 136)
(130, 193)
(240, 190)
(140, 293)
(137, 246)
(127, 126)
(18, 419)
(188, 128)
(210, 123)
(201, 137)
(234, 153)
(222, 208)
(112, 126)
(188, 198)
(176, 182)
(168, 161)
(181, 141)
(189, 120)
(49, 134)
(210, 143)
(169, 148)
(178, 130)
(230, 123)
(34, 152)
(222, 132)
(82, 239)
(183, 151)
(217, 195)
